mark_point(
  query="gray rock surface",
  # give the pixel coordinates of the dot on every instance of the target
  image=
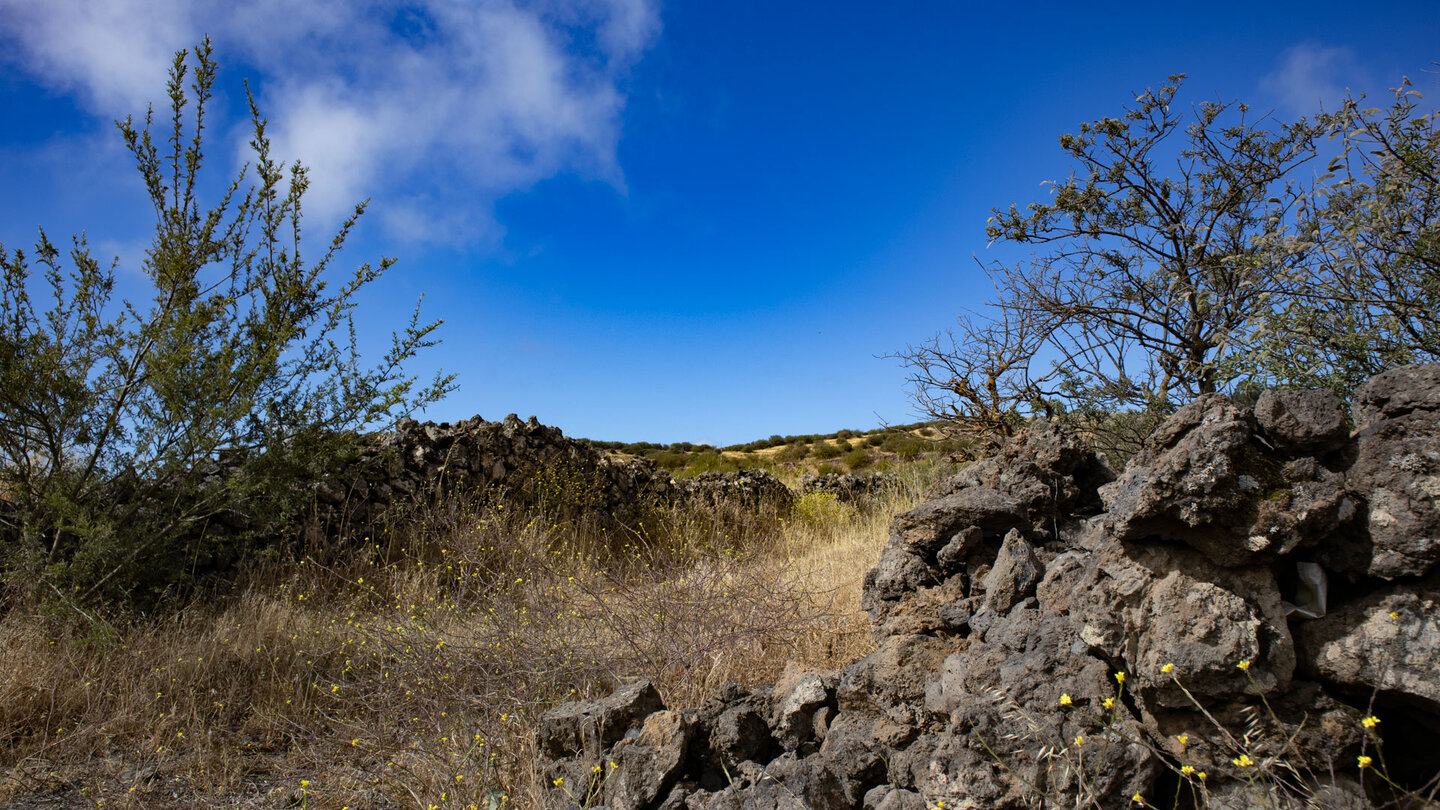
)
(1386, 641)
(1014, 575)
(1302, 423)
(647, 763)
(587, 727)
(1396, 472)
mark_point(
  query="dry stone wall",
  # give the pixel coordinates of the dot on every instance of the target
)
(526, 462)
(1040, 609)
(849, 487)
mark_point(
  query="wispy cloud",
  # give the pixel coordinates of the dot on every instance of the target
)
(432, 107)
(1311, 75)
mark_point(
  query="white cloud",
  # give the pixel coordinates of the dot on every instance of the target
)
(114, 55)
(1309, 76)
(449, 102)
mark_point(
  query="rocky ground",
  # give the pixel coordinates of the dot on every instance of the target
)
(1235, 620)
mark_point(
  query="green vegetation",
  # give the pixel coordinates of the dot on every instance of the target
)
(857, 460)
(113, 414)
(1197, 250)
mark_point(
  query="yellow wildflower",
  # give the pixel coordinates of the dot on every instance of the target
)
(1370, 722)
(1065, 700)
(1167, 668)
(1364, 761)
(1242, 761)
(1245, 665)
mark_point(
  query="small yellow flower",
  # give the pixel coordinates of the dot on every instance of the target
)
(1138, 799)
(1242, 761)
(595, 769)
(1187, 770)
(1183, 738)
(355, 741)
(1167, 669)
(304, 783)
(1394, 614)
(1079, 740)
(1065, 700)
(1364, 761)
(1109, 702)
(1201, 775)
(1244, 665)
(559, 780)
(1370, 722)
(1120, 679)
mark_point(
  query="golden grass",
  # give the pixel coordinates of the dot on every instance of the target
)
(411, 672)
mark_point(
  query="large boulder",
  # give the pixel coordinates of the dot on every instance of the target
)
(1195, 480)
(1397, 472)
(587, 727)
(1153, 605)
(1302, 423)
(1387, 641)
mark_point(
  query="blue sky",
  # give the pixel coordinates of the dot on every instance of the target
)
(657, 221)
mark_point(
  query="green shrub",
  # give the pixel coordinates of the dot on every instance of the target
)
(822, 509)
(710, 462)
(858, 460)
(825, 450)
(794, 452)
(113, 414)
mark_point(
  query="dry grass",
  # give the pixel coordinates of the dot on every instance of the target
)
(411, 672)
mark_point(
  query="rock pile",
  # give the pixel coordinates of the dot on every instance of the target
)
(849, 487)
(747, 489)
(530, 462)
(1047, 628)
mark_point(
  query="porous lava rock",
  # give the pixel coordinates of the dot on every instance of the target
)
(1253, 585)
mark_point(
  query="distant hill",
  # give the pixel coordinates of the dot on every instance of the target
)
(792, 456)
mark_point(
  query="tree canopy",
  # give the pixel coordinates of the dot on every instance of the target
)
(1196, 250)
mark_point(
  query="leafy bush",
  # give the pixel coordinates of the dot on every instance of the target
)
(115, 416)
(858, 460)
(709, 462)
(794, 452)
